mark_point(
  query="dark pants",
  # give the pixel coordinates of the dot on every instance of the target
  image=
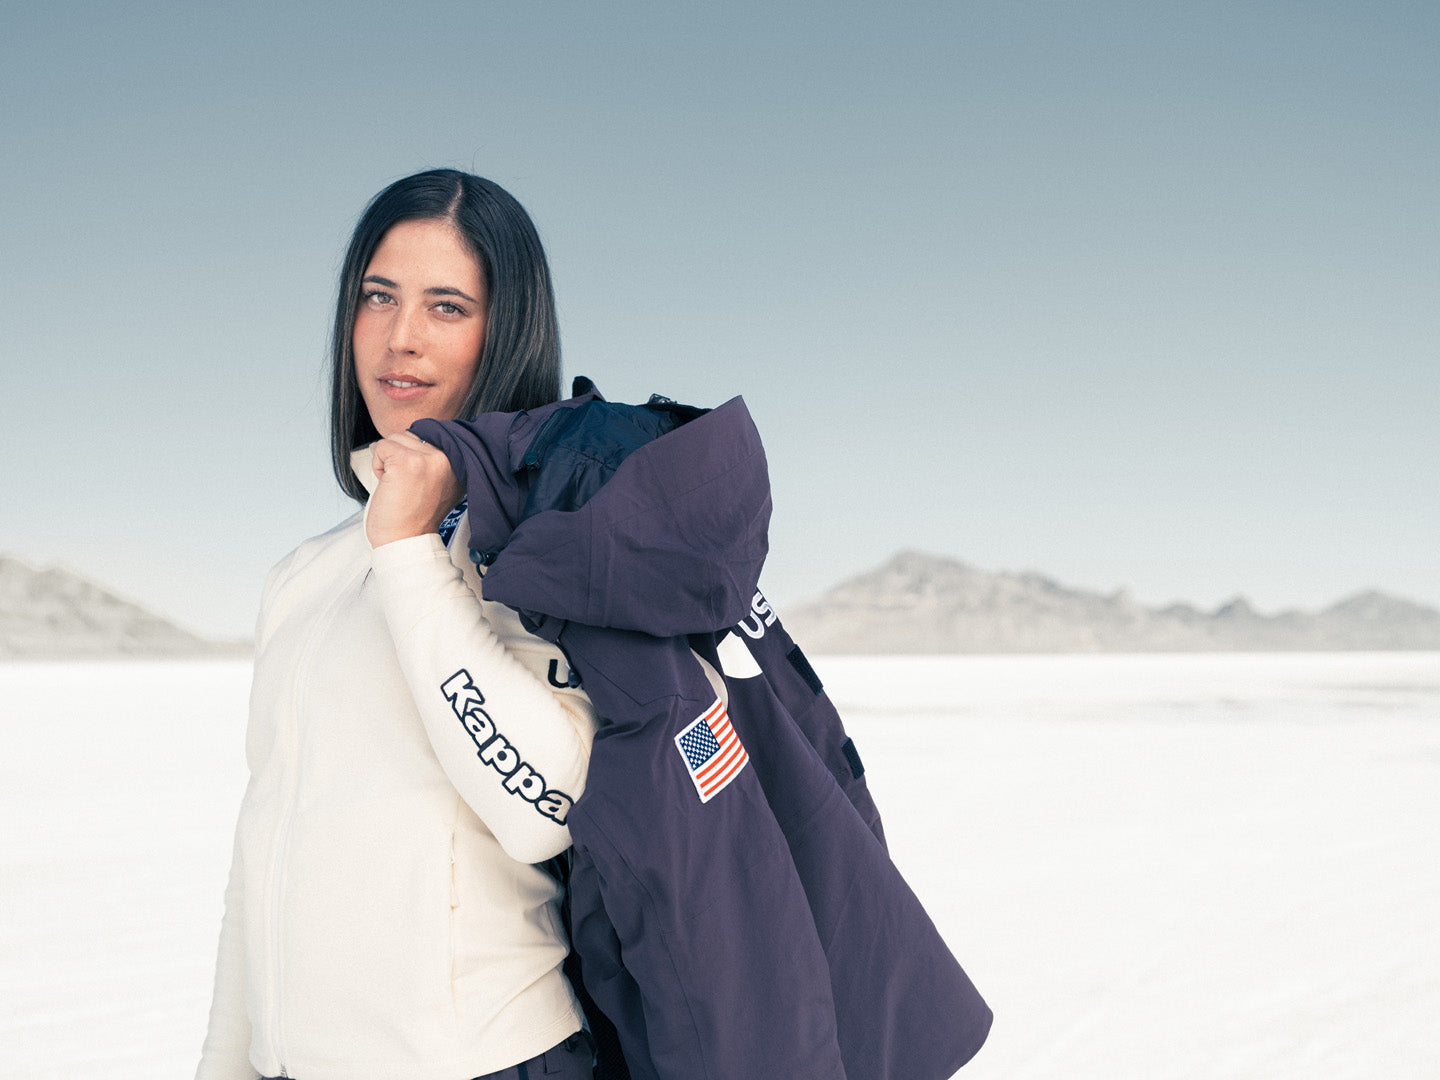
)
(571, 1060)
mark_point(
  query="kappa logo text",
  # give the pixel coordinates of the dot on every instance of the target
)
(497, 752)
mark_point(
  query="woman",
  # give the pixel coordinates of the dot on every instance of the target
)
(412, 751)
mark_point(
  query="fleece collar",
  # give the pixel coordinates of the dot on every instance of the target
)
(360, 461)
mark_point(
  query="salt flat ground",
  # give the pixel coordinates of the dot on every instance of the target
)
(1154, 867)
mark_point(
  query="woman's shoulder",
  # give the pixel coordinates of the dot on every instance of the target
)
(337, 537)
(335, 548)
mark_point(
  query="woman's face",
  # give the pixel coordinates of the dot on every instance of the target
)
(419, 326)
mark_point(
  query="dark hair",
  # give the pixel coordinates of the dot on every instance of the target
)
(520, 360)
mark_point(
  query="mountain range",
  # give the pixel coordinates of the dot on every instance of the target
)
(54, 613)
(921, 603)
(914, 603)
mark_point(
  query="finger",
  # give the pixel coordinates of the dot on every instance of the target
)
(410, 441)
(392, 449)
(379, 453)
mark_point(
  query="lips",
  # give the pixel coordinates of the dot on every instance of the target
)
(402, 386)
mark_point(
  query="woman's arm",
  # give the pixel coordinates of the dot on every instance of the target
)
(510, 732)
(226, 1054)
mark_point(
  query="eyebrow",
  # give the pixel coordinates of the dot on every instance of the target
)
(439, 290)
(447, 291)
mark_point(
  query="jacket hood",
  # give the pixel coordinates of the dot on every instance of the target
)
(612, 517)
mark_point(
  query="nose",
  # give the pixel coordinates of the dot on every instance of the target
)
(407, 331)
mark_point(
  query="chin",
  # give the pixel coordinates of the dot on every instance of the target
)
(388, 420)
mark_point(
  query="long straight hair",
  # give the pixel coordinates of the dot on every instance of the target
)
(520, 359)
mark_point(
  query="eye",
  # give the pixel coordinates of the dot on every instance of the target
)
(376, 297)
(447, 308)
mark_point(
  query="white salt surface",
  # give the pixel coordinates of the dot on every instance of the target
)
(1153, 867)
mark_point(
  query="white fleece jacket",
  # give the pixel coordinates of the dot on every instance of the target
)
(412, 752)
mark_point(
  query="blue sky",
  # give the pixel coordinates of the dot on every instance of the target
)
(1139, 295)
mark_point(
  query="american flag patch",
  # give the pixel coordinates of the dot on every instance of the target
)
(712, 751)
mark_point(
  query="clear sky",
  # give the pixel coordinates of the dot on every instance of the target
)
(1140, 295)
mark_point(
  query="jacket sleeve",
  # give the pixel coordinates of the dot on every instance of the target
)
(694, 930)
(513, 738)
(226, 1053)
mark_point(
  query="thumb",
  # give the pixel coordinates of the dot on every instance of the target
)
(377, 460)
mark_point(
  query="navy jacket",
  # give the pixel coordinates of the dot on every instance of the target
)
(732, 902)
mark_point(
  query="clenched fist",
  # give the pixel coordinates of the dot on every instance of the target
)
(417, 489)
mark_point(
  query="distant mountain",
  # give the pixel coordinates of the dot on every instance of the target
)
(919, 603)
(56, 614)
(915, 603)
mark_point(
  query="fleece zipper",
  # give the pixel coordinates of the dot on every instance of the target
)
(279, 848)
